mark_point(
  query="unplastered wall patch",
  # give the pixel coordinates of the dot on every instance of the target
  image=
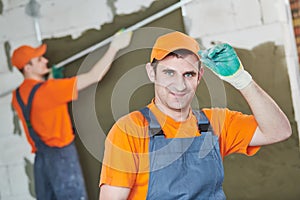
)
(1, 7)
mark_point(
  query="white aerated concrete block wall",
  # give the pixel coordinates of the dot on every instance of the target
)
(14, 148)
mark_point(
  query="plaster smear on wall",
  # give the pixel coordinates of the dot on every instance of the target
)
(1, 7)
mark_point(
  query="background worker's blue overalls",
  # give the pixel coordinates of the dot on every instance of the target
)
(57, 172)
(184, 168)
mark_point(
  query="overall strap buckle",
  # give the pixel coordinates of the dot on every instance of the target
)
(154, 127)
(203, 122)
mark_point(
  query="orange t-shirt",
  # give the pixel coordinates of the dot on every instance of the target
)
(49, 115)
(126, 158)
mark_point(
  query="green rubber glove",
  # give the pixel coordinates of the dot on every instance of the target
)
(224, 62)
(57, 72)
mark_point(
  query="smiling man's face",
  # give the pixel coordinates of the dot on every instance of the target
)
(176, 79)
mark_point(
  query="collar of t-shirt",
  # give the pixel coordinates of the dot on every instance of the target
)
(172, 128)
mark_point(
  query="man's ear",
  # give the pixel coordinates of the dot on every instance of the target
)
(27, 67)
(150, 72)
(200, 74)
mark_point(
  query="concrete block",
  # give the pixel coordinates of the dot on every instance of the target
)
(9, 81)
(5, 189)
(14, 182)
(17, 24)
(4, 66)
(247, 13)
(208, 17)
(16, 148)
(6, 118)
(203, 17)
(6, 99)
(248, 38)
(18, 179)
(9, 5)
(18, 197)
(273, 11)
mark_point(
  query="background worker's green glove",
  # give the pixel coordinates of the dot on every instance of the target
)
(56, 73)
(224, 62)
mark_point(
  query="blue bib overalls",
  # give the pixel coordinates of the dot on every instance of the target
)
(184, 168)
(57, 172)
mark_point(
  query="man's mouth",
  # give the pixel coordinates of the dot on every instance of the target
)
(176, 94)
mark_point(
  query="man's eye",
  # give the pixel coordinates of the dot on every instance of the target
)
(169, 72)
(189, 75)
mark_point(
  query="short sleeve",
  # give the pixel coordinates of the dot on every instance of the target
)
(235, 131)
(122, 150)
(57, 91)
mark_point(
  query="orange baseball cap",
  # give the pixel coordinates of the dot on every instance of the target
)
(22, 55)
(170, 42)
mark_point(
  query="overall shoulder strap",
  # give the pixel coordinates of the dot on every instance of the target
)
(211, 141)
(26, 113)
(27, 108)
(203, 122)
(154, 127)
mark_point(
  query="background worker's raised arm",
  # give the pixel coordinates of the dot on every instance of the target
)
(273, 125)
(113, 193)
(120, 41)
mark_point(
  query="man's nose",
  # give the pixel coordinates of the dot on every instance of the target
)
(45, 60)
(180, 83)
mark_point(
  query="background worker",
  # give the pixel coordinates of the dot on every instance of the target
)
(168, 151)
(42, 107)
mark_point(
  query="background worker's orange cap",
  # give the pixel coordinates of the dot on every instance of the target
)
(170, 42)
(22, 55)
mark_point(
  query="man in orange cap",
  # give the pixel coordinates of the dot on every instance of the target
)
(169, 151)
(42, 107)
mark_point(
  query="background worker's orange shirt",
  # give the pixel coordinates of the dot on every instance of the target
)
(49, 112)
(126, 157)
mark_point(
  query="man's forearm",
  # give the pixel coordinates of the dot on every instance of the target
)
(120, 40)
(272, 122)
(98, 71)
